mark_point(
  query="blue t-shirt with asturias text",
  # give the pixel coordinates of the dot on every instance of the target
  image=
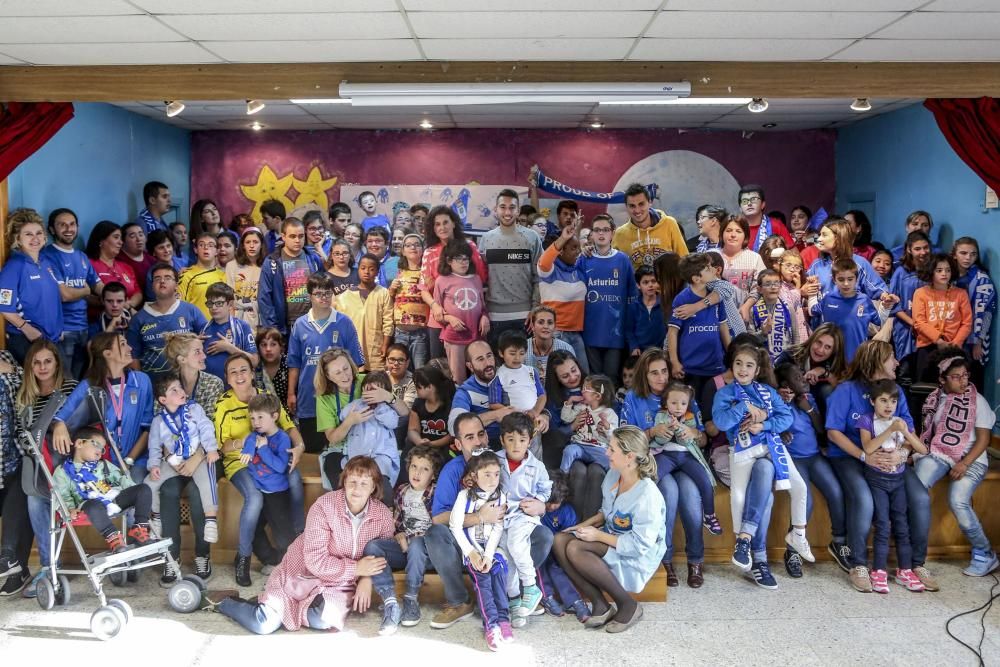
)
(699, 341)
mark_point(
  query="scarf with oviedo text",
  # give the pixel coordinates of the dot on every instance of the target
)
(781, 318)
(749, 445)
(948, 419)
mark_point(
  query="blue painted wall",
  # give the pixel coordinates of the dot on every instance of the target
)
(898, 162)
(99, 161)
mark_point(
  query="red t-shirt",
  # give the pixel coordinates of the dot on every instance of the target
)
(776, 228)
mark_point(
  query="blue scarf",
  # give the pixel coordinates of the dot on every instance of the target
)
(763, 232)
(983, 298)
(781, 319)
(704, 245)
(90, 486)
(182, 439)
(748, 445)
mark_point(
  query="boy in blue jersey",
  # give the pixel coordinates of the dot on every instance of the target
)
(313, 334)
(115, 315)
(372, 219)
(645, 316)
(78, 280)
(853, 312)
(225, 334)
(701, 340)
(166, 315)
(611, 287)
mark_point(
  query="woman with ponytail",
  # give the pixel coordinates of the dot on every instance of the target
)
(616, 551)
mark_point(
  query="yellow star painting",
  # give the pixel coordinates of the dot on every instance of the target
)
(313, 189)
(268, 186)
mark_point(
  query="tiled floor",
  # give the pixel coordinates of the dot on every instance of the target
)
(817, 620)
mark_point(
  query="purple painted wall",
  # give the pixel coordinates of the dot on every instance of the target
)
(794, 167)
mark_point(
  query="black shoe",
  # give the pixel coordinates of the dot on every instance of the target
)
(842, 554)
(15, 583)
(793, 563)
(203, 567)
(132, 576)
(242, 566)
(9, 565)
(171, 573)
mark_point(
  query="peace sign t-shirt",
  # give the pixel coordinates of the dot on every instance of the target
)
(461, 296)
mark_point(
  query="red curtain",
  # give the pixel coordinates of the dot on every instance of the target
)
(25, 127)
(972, 127)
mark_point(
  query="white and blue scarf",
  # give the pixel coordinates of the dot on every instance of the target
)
(765, 230)
(179, 430)
(749, 445)
(90, 486)
(983, 298)
(704, 245)
(781, 321)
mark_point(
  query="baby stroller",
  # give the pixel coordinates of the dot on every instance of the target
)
(113, 614)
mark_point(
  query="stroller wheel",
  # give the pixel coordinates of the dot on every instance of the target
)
(132, 576)
(197, 581)
(117, 578)
(107, 622)
(64, 594)
(184, 596)
(123, 607)
(46, 594)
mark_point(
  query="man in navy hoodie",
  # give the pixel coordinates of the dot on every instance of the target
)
(282, 297)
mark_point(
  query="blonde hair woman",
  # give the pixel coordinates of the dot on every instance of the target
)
(617, 550)
(337, 383)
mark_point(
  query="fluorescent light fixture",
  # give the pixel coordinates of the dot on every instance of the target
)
(420, 94)
(597, 124)
(426, 124)
(253, 106)
(322, 100)
(861, 104)
(757, 105)
(174, 108)
(255, 126)
(684, 101)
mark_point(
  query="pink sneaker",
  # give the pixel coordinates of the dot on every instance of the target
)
(506, 632)
(909, 579)
(880, 583)
(493, 638)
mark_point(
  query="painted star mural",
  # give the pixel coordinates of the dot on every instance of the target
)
(313, 189)
(268, 186)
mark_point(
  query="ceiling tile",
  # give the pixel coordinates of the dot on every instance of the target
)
(238, 110)
(799, 5)
(944, 25)
(334, 111)
(917, 50)
(529, 5)
(262, 6)
(962, 6)
(647, 117)
(277, 27)
(526, 49)
(579, 25)
(163, 53)
(85, 29)
(520, 110)
(346, 50)
(63, 8)
(714, 25)
(526, 124)
(737, 49)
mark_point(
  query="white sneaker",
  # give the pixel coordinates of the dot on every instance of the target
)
(518, 621)
(211, 532)
(801, 545)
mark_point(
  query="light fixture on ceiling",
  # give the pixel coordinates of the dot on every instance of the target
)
(321, 100)
(417, 94)
(684, 101)
(256, 127)
(768, 126)
(253, 106)
(174, 107)
(596, 124)
(861, 104)
(426, 124)
(757, 105)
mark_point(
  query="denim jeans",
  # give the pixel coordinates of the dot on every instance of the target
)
(680, 493)
(73, 348)
(297, 493)
(918, 513)
(261, 619)
(606, 361)
(446, 557)
(253, 505)
(587, 453)
(817, 469)
(418, 343)
(929, 470)
(575, 340)
(669, 461)
(414, 561)
(170, 514)
(435, 348)
(555, 581)
(889, 501)
(757, 507)
(39, 511)
(858, 503)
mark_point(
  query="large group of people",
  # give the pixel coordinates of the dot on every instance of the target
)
(532, 408)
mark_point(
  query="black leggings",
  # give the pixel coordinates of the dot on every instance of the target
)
(139, 496)
(170, 514)
(584, 563)
(16, 528)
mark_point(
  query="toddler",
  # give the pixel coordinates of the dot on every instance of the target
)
(100, 490)
(479, 543)
(560, 515)
(883, 430)
(589, 442)
(628, 373)
(517, 384)
(175, 434)
(678, 447)
(373, 430)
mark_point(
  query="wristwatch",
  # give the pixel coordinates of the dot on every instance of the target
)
(862, 457)
(129, 461)
(708, 304)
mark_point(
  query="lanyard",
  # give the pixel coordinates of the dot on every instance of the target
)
(350, 397)
(118, 406)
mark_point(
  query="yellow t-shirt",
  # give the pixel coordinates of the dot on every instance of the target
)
(232, 422)
(193, 284)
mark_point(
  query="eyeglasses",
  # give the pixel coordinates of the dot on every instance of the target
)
(93, 442)
(396, 360)
(770, 284)
(217, 303)
(749, 200)
(413, 244)
(322, 294)
(600, 230)
(340, 254)
(958, 376)
(163, 279)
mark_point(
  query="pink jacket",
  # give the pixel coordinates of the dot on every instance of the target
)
(323, 559)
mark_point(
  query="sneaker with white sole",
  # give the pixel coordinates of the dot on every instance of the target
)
(799, 542)
(411, 612)
(841, 553)
(860, 578)
(211, 531)
(15, 583)
(203, 567)
(762, 576)
(880, 581)
(909, 580)
(171, 573)
(982, 563)
(9, 566)
(531, 597)
(741, 554)
(926, 578)
(391, 616)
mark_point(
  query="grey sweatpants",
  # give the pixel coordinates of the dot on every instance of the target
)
(203, 477)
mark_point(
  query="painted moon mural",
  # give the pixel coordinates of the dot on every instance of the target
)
(686, 179)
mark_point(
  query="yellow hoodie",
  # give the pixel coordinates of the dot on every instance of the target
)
(643, 246)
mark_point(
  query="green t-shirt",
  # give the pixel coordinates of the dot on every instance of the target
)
(329, 407)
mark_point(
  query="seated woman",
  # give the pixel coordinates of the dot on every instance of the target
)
(821, 360)
(617, 550)
(323, 575)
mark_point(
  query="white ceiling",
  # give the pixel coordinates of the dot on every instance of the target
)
(796, 114)
(121, 32)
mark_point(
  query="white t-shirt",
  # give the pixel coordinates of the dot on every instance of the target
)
(416, 519)
(521, 385)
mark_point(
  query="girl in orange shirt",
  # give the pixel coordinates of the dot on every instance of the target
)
(942, 315)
